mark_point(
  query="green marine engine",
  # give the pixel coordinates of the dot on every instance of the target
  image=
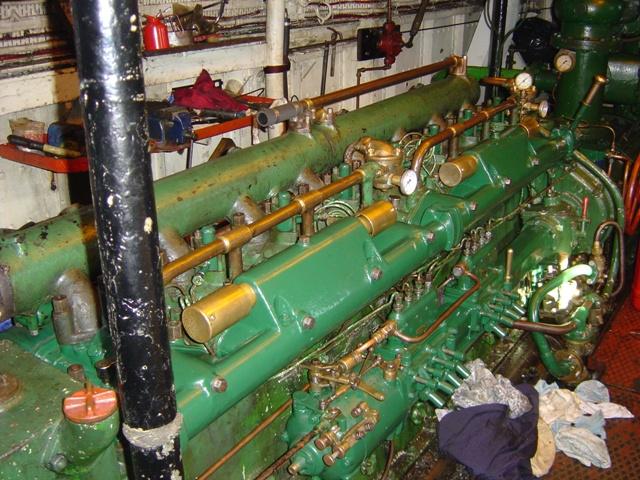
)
(322, 291)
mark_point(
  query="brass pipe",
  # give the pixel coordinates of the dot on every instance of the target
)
(457, 129)
(444, 315)
(306, 228)
(237, 237)
(350, 360)
(248, 438)
(234, 257)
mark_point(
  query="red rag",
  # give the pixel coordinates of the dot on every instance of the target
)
(204, 94)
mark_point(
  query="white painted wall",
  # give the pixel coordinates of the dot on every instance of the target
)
(25, 192)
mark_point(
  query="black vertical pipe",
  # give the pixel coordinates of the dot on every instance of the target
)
(107, 40)
(498, 27)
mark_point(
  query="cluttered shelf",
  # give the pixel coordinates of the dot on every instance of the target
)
(171, 127)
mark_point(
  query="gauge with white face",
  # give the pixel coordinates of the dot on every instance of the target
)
(523, 81)
(565, 61)
(543, 109)
(408, 182)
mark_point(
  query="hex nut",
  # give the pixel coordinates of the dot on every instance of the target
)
(308, 322)
(376, 273)
(219, 384)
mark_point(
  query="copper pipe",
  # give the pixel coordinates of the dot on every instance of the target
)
(497, 81)
(546, 328)
(362, 70)
(444, 315)
(627, 168)
(457, 129)
(239, 236)
(248, 438)
(620, 232)
(267, 472)
(350, 92)
(387, 465)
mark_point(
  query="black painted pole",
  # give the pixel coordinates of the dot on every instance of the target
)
(107, 39)
(498, 27)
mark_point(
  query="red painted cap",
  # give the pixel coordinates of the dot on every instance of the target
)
(90, 405)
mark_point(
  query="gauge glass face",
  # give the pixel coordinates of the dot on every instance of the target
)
(408, 182)
(564, 62)
(543, 108)
(524, 81)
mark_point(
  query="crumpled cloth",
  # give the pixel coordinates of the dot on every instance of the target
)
(584, 446)
(577, 419)
(545, 454)
(204, 94)
(482, 387)
(492, 444)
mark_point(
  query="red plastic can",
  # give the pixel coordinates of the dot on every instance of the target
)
(155, 34)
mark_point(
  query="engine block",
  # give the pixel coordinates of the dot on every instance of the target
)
(323, 290)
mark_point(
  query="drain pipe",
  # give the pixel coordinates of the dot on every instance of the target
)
(274, 72)
(498, 27)
(107, 40)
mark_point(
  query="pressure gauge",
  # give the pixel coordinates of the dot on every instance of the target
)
(543, 108)
(523, 81)
(565, 61)
(408, 182)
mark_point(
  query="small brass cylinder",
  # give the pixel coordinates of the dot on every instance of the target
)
(598, 82)
(454, 172)
(307, 213)
(508, 266)
(234, 257)
(216, 312)
(378, 217)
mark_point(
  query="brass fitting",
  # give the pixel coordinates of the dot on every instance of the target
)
(454, 172)
(236, 237)
(598, 83)
(530, 125)
(378, 217)
(460, 68)
(216, 312)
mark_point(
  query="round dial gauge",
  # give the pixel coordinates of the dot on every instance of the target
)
(408, 182)
(523, 81)
(543, 109)
(564, 61)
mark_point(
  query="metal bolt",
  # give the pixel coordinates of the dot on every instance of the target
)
(430, 236)
(76, 371)
(376, 274)
(219, 384)
(308, 322)
(58, 462)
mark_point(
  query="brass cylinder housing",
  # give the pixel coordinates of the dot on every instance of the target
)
(454, 172)
(378, 217)
(216, 312)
